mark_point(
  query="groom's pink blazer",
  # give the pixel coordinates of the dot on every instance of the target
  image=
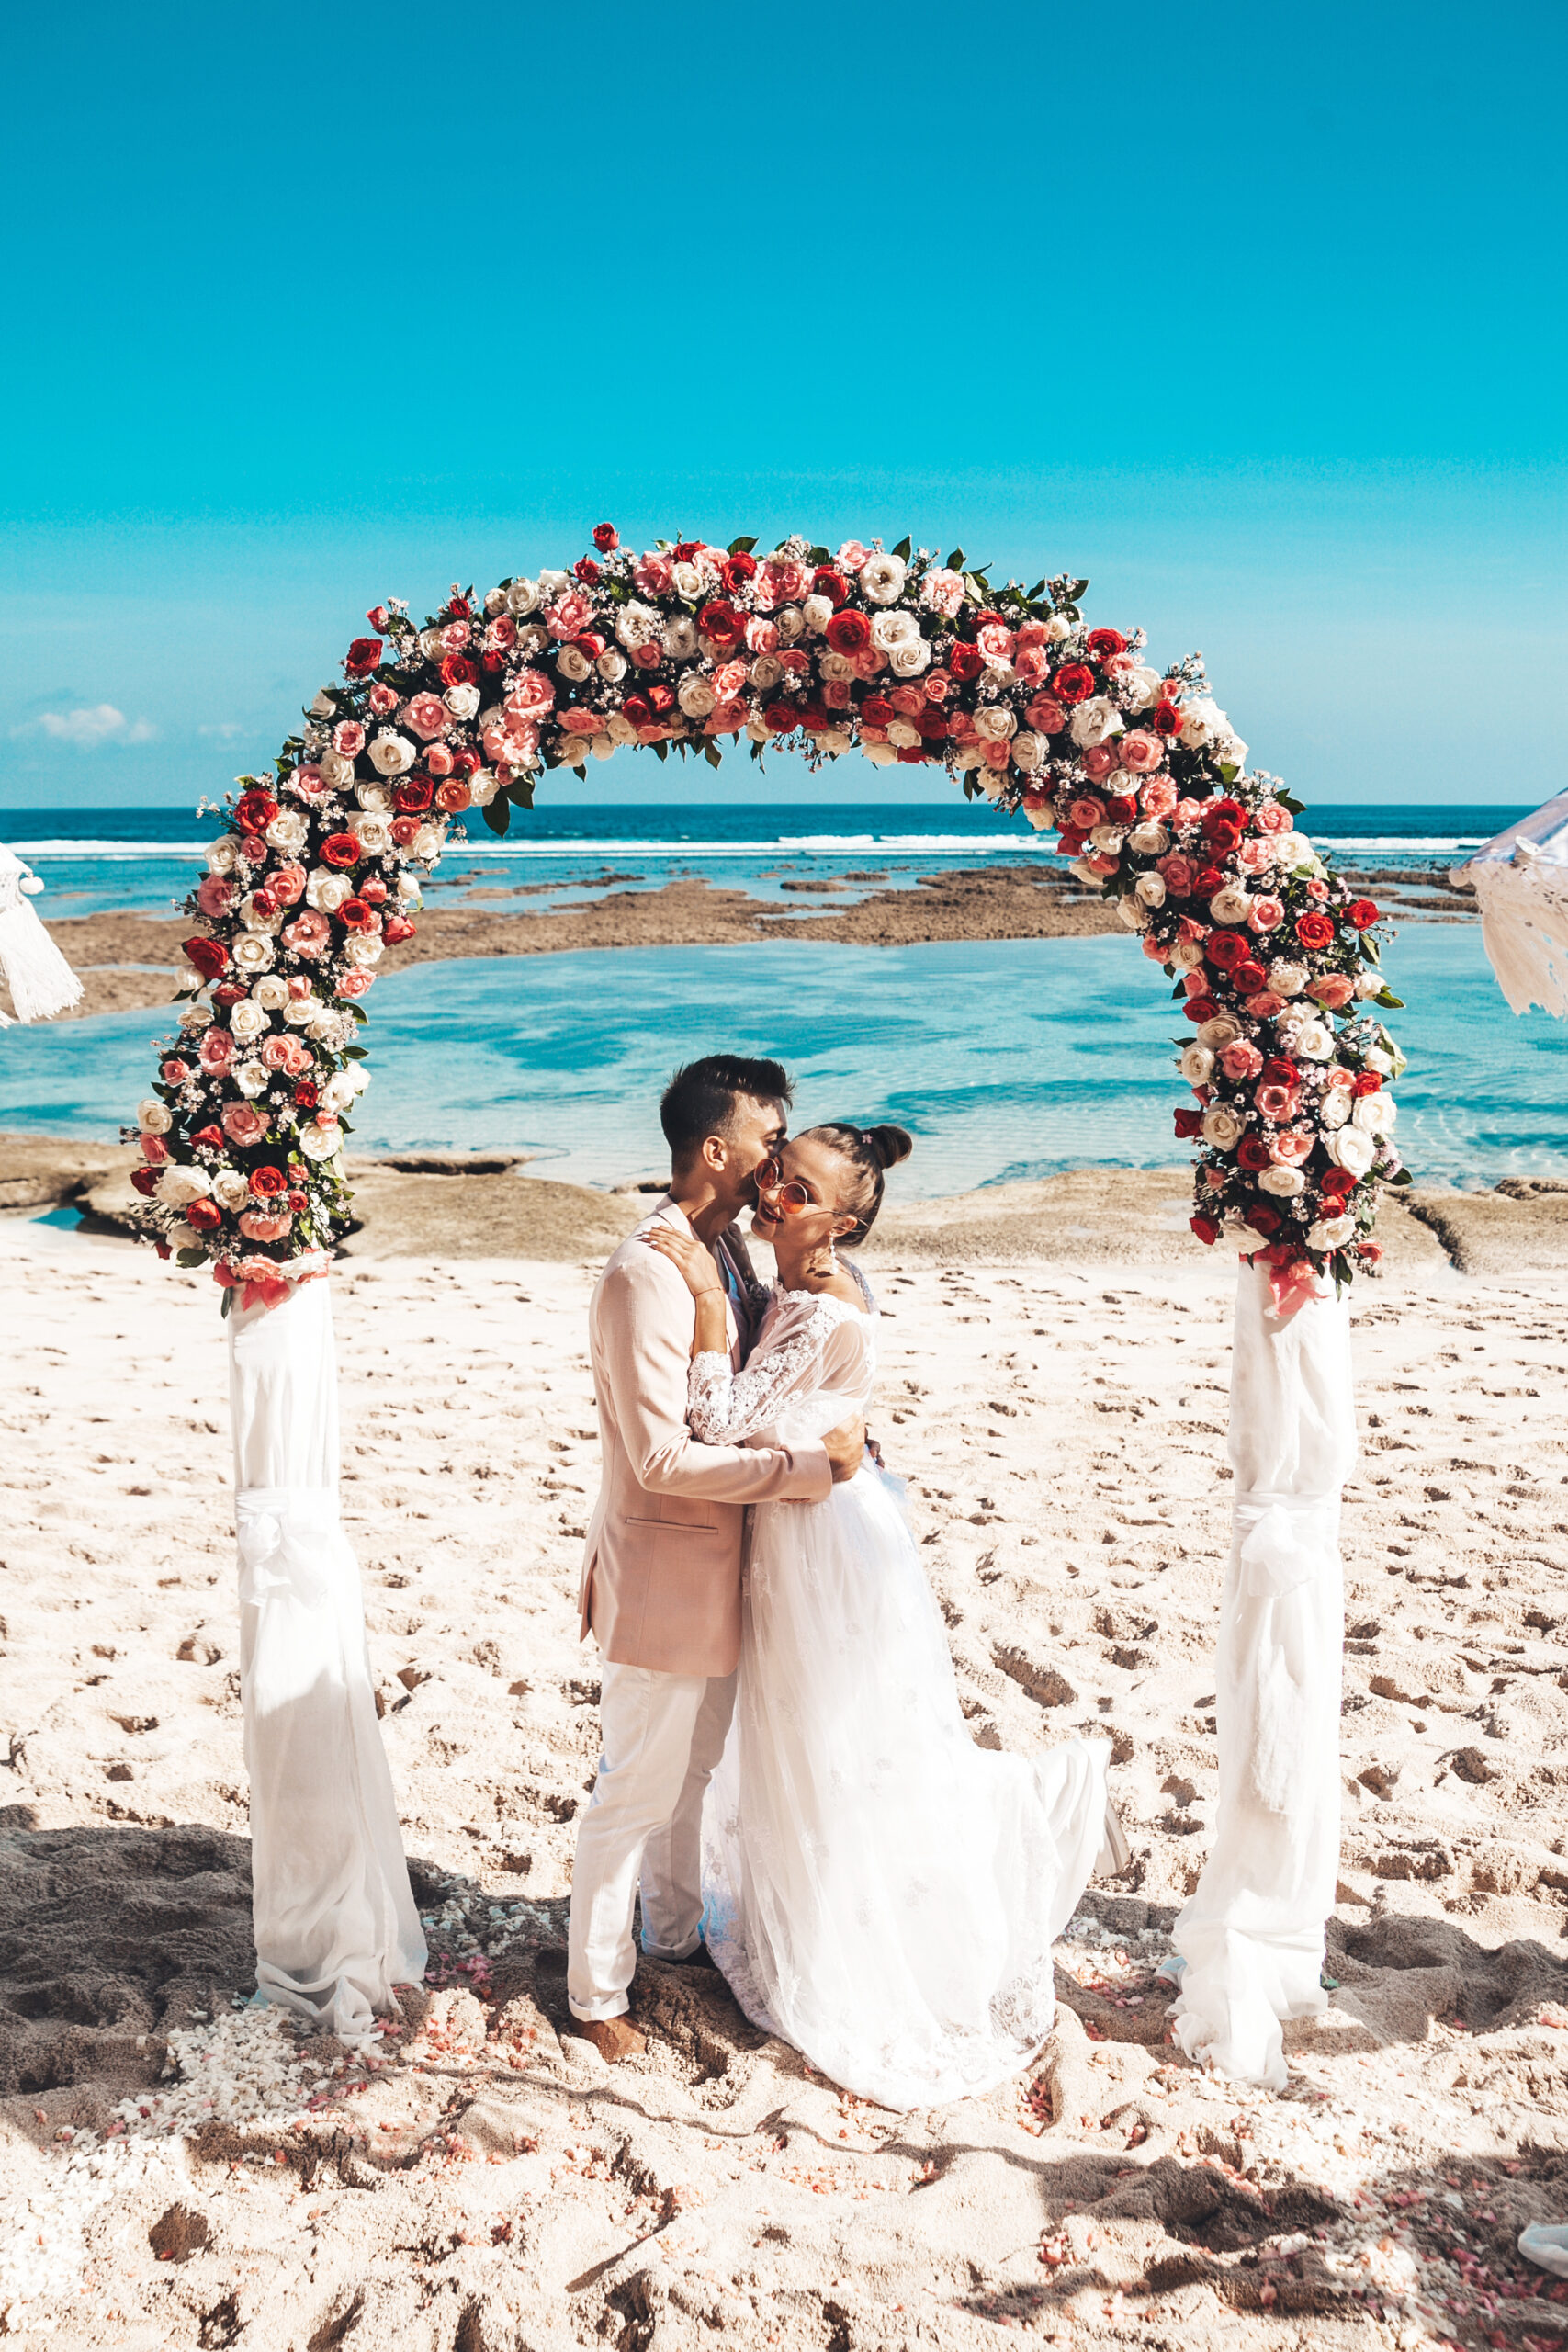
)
(662, 1568)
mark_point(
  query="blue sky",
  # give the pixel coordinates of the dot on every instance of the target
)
(1253, 316)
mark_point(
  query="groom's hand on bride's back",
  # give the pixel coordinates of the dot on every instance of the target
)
(845, 1449)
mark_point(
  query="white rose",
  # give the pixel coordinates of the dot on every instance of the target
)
(374, 833)
(1334, 1108)
(409, 890)
(301, 1011)
(271, 992)
(996, 722)
(1196, 1065)
(687, 580)
(1368, 984)
(1150, 888)
(428, 842)
(1140, 688)
(888, 629)
(373, 799)
(1094, 721)
(1376, 1113)
(1080, 868)
(337, 770)
(1376, 1059)
(1058, 629)
(620, 729)
(271, 924)
(1187, 955)
(248, 1021)
(338, 1092)
(553, 584)
(1108, 838)
(326, 890)
(1201, 718)
(1331, 1232)
(182, 1185)
(430, 644)
(153, 1117)
(817, 611)
(1313, 1042)
(1288, 979)
(184, 1236)
(495, 602)
(521, 597)
(533, 637)
(365, 948)
(253, 952)
(1231, 751)
(973, 755)
(1229, 905)
(1222, 1031)
(1351, 1147)
(903, 734)
(835, 668)
(681, 641)
(881, 578)
(390, 753)
(1037, 818)
(570, 663)
(230, 1189)
(909, 659)
(639, 625)
(1283, 1182)
(197, 1017)
(1222, 1128)
(612, 665)
(695, 694)
(483, 785)
(251, 1078)
(223, 855)
(1149, 839)
(1029, 753)
(318, 1143)
(881, 755)
(1133, 912)
(462, 701)
(790, 624)
(836, 740)
(324, 705)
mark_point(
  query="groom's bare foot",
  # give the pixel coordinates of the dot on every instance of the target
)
(614, 2038)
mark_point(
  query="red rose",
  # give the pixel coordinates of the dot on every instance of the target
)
(590, 645)
(229, 993)
(830, 584)
(1314, 931)
(1253, 1152)
(299, 1203)
(781, 717)
(397, 927)
(877, 711)
(1249, 978)
(723, 625)
(849, 633)
(586, 569)
(814, 714)
(363, 656)
(1222, 811)
(145, 1182)
(208, 957)
(1337, 1182)
(254, 811)
(966, 661)
(267, 1182)
(355, 915)
(205, 1216)
(1226, 950)
(1221, 839)
(307, 1094)
(1167, 719)
(411, 794)
(685, 550)
(456, 670)
(607, 539)
(1369, 1252)
(1367, 1083)
(1189, 1123)
(466, 761)
(459, 609)
(1120, 808)
(340, 848)
(1263, 1220)
(1206, 881)
(661, 699)
(1200, 1008)
(1278, 1072)
(404, 831)
(738, 571)
(209, 1138)
(1104, 642)
(1075, 683)
(638, 710)
(1208, 1232)
(378, 618)
(1362, 913)
(931, 724)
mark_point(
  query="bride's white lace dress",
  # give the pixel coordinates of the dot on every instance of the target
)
(879, 1891)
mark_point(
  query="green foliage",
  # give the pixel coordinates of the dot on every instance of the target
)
(497, 813)
(740, 547)
(903, 549)
(1389, 1002)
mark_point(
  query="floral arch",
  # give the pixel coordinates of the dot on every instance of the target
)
(688, 647)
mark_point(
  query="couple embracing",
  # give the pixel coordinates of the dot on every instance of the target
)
(786, 1777)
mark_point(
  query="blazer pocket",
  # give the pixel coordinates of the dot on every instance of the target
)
(671, 1526)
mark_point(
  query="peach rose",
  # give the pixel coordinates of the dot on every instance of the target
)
(1265, 913)
(1278, 1103)
(428, 716)
(285, 884)
(1158, 797)
(1332, 990)
(1272, 819)
(243, 1123)
(310, 934)
(1292, 1150)
(216, 1051)
(1099, 762)
(1241, 1059)
(531, 693)
(256, 1225)
(1142, 752)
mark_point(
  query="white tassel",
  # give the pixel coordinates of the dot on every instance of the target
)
(41, 981)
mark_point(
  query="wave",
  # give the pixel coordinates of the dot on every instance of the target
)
(110, 849)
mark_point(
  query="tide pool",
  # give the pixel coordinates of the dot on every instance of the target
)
(1004, 1059)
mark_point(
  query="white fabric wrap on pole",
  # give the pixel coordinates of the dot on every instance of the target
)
(334, 1918)
(1521, 878)
(39, 978)
(1252, 1935)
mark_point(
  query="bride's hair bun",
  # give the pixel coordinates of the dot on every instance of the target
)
(890, 1144)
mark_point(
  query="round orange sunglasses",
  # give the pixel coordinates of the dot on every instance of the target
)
(789, 1198)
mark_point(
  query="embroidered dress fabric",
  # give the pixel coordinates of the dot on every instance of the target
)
(1252, 1935)
(335, 1918)
(878, 1891)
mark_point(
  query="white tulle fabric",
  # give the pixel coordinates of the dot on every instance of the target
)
(878, 1891)
(1521, 878)
(335, 1918)
(1252, 1935)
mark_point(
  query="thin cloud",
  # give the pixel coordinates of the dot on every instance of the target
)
(88, 728)
(225, 731)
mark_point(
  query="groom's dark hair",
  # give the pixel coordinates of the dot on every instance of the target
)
(700, 1099)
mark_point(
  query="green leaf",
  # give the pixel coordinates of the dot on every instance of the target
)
(1403, 1177)
(1389, 1002)
(661, 751)
(740, 547)
(903, 548)
(1228, 771)
(360, 1015)
(521, 792)
(712, 755)
(1078, 588)
(956, 561)
(1288, 801)
(190, 1257)
(1037, 591)
(228, 1303)
(497, 813)
(818, 555)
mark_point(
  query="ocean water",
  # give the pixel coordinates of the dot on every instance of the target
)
(1005, 1058)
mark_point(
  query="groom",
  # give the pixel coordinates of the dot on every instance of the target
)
(661, 1569)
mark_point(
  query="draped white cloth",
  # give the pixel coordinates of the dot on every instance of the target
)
(1252, 1936)
(41, 981)
(335, 1918)
(879, 1891)
(1521, 884)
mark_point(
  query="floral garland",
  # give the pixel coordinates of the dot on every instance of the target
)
(893, 653)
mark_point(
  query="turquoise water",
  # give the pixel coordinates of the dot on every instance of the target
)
(1005, 1058)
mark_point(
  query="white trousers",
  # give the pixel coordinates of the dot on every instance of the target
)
(662, 1734)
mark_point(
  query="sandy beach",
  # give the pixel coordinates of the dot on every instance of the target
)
(1057, 1404)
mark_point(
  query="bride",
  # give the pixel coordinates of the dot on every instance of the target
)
(879, 1891)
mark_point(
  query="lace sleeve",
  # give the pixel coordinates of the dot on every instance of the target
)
(723, 1406)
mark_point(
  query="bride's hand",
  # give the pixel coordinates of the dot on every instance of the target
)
(685, 1251)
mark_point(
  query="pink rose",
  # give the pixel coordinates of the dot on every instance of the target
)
(353, 984)
(1191, 931)
(647, 656)
(348, 739)
(997, 755)
(1264, 914)
(1142, 752)
(438, 759)
(852, 556)
(1292, 1150)
(1241, 1059)
(1152, 950)
(942, 591)
(1253, 855)
(1263, 1006)
(154, 1150)
(258, 1225)
(1047, 715)
(727, 680)
(308, 782)
(1086, 813)
(1099, 762)
(455, 636)
(761, 636)
(1333, 991)
(868, 663)
(570, 617)
(995, 641)
(787, 580)
(501, 634)
(174, 1073)
(839, 695)
(216, 1051)
(907, 701)
(1340, 1079)
(383, 700)
(285, 884)
(654, 574)
(1272, 819)
(275, 1052)
(1180, 873)
(1277, 1101)
(1195, 983)
(214, 895)
(427, 715)
(308, 934)
(531, 692)
(1185, 813)
(937, 684)
(1158, 797)
(243, 1123)
(1100, 862)
(1033, 663)
(581, 722)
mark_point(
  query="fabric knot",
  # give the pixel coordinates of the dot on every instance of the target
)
(1286, 1541)
(283, 1535)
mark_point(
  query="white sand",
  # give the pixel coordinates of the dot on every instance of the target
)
(1062, 1435)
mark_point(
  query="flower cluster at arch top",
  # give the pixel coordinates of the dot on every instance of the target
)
(893, 653)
